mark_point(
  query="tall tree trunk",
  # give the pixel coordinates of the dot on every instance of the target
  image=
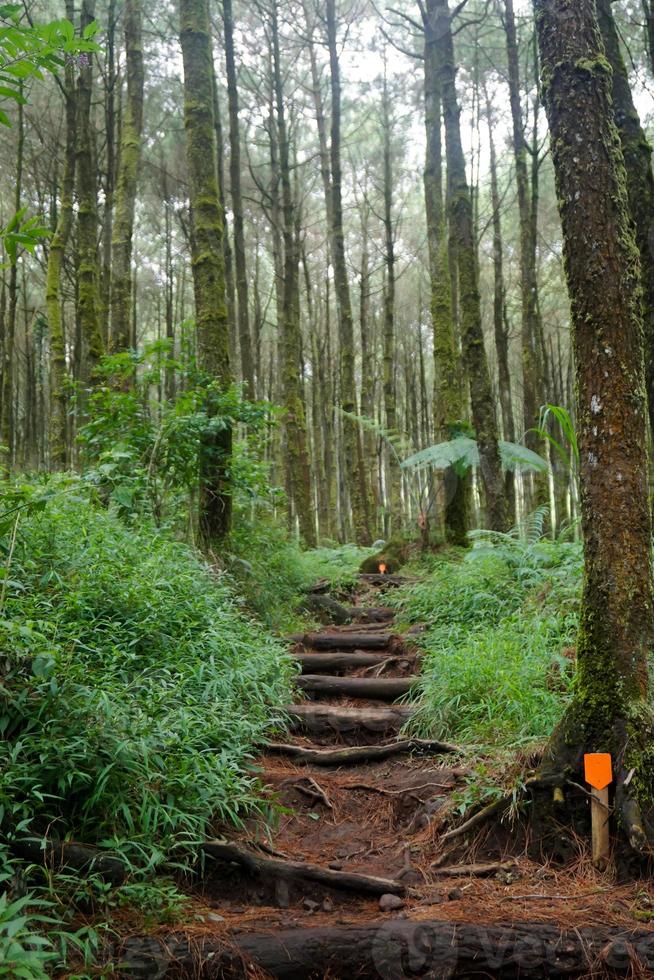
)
(208, 260)
(640, 181)
(390, 407)
(130, 156)
(245, 342)
(499, 307)
(88, 272)
(461, 221)
(10, 373)
(648, 12)
(609, 710)
(230, 289)
(352, 448)
(111, 80)
(532, 367)
(297, 459)
(448, 383)
(58, 427)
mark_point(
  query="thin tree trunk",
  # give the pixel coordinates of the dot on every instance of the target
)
(532, 368)
(58, 426)
(88, 273)
(130, 157)
(352, 448)
(297, 459)
(208, 260)
(10, 374)
(499, 304)
(461, 220)
(245, 341)
(111, 80)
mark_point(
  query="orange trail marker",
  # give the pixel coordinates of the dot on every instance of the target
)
(598, 772)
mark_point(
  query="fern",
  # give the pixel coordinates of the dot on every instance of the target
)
(463, 453)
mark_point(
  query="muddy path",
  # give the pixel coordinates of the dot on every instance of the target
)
(352, 874)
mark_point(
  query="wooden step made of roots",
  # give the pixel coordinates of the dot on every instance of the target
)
(375, 688)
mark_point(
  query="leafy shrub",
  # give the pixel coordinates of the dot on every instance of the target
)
(134, 689)
(497, 621)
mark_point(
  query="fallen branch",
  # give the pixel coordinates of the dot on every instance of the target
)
(343, 640)
(313, 790)
(361, 753)
(301, 871)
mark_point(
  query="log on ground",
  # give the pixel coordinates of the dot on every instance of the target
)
(327, 719)
(317, 662)
(393, 948)
(377, 688)
(355, 640)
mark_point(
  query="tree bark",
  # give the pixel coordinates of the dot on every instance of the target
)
(208, 261)
(128, 172)
(609, 710)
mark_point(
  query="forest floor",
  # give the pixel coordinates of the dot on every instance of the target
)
(353, 873)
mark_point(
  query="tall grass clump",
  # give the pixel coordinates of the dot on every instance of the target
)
(133, 687)
(497, 648)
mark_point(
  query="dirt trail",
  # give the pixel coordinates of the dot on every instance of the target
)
(353, 879)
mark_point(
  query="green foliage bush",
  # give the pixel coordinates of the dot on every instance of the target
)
(498, 621)
(133, 686)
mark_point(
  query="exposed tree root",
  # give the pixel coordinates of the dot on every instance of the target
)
(361, 753)
(83, 859)
(474, 870)
(300, 871)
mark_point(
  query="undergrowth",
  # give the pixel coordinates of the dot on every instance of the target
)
(501, 620)
(133, 690)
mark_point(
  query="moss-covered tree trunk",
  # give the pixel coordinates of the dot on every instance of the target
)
(462, 230)
(608, 711)
(352, 444)
(58, 424)
(208, 260)
(88, 269)
(298, 474)
(448, 382)
(9, 373)
(640, 181)
(128, 171)
(240, 266)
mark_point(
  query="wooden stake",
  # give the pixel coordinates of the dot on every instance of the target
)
(599, 814)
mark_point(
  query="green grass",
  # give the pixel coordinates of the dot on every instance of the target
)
(498, 619)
